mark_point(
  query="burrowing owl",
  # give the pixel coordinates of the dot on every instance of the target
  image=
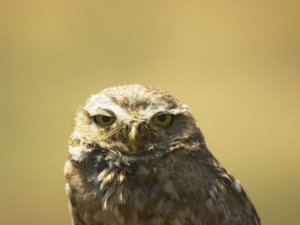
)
(136, 157)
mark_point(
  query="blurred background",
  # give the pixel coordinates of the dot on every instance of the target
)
(235, 63)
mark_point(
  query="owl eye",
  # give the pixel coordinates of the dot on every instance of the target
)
(163, 120)
(104, 120)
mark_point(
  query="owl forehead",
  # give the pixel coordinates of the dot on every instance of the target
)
(133, 103)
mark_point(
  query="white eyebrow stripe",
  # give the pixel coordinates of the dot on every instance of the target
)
(118, 111)
(99, 104)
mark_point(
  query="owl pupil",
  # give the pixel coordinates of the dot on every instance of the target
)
(105, 119)
(162, 117)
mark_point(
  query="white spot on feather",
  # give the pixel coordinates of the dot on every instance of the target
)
(226, 176)
(237, 186)
(68, 189)
(212, 192)
(67, 167)
(121, 178)
(121, 198)
(106, 179)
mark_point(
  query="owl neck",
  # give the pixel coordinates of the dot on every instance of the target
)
(100, 169)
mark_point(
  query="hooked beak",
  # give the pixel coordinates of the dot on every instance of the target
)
(132, 137)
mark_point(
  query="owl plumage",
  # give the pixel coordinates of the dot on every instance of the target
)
(136, 157)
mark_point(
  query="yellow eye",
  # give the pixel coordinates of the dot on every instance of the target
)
(163, 120)
(104, 120)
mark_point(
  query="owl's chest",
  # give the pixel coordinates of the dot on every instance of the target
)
(146, 183)
(133, 195)
(130, 186)
(146, 192)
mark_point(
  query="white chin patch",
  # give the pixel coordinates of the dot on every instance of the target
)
(76, 153)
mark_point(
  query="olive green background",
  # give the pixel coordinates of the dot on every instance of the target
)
(235, 63)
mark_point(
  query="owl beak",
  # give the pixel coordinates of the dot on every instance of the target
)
(132, 137)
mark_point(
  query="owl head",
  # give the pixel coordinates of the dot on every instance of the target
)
(136, 120)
